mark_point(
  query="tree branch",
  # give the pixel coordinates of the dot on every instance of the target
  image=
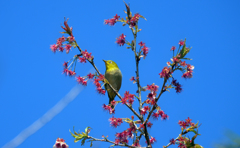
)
(154, 107)
(92, 63)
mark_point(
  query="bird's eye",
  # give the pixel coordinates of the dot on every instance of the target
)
(110, 62)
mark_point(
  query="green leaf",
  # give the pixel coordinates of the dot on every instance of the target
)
(192, 130)
(86, 129)
(83, 141)
(105, 138)
(184, 50)
(143, 17)
(73, 135)
(128, 10)
(136, 27)
(77, 139)
(121, 20)
(91, 144)
(73, 44)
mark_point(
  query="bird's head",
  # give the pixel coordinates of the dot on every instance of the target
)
(110, 64)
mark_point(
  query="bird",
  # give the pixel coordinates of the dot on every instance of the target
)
(114, 76)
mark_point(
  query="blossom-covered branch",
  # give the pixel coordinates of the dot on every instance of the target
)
(148, 107)
(182, 141)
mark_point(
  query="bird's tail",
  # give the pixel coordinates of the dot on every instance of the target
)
(112, 106)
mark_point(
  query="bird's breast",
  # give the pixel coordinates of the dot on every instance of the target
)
(114, 77)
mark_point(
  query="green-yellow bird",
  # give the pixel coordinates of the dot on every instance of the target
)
(114, 77)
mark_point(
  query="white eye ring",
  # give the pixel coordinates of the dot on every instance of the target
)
(110, 62)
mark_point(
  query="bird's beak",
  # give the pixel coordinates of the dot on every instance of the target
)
(104, 61)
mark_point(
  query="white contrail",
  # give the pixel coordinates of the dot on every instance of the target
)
(45, 118)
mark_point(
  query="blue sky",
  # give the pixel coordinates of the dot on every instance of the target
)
(31, 79)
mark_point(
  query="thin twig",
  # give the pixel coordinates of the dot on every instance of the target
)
(170, 142)
(139, 88)
(137, 72)
(106, 140)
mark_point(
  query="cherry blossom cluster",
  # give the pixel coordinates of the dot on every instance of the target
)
(134, 79)
(125, 135)
(159, 113)
(115, 121)
(85, 56)
(96, 81)
(166, 72)
(130, 20)
(177, 64)
(181, 42)
(83, 80)
(182, 142)
(177, 60)
(151, 96)
(60, 143)
(178, 87)
(152, 140)
(136, 143)
(150, 100)
(67, 71)
(173, 48)
(128, 98)
(172, 141)
(189, 71)
(149, 124)
(144, 110)
(109, 109)
(186, 123)
(129, 133)
(187, 67)
(152, 88)
(133, 20)
(121, 40)
(112, 21)
(144, 49)
(59, 46)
